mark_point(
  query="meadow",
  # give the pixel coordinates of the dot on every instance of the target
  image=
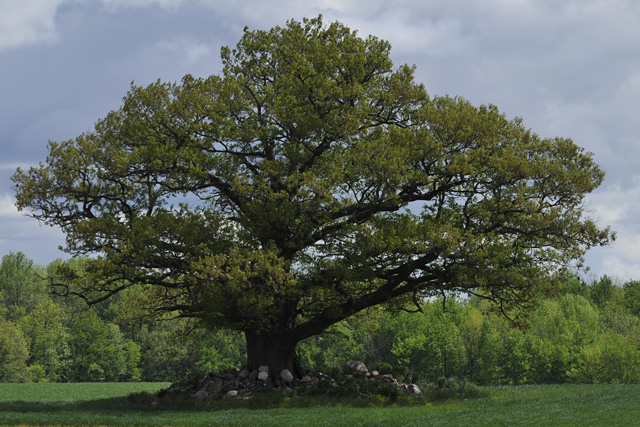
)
(129, 404)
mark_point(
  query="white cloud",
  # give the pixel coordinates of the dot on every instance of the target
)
(8, 208)
(22, 234)
(617, 206)
(624, 259)
(28, 22)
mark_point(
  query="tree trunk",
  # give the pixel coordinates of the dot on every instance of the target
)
(277, 351)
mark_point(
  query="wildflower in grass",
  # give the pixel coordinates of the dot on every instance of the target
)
(285, 402)
(380, 398)
(408, 399)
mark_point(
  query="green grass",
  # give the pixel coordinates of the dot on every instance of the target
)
(105, 405)
(51, 392)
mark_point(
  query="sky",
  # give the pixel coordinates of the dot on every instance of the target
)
(568, 68)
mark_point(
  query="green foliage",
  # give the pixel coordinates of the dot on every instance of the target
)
(341, 342)
(48, 338)
(428, 344)
(21, 286)
(99, 352)
(490, 349)
(602, 291)
(13, 354)
(632, 296)
(452, 388)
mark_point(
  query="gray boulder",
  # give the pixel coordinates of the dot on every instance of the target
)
(286, 376)
(355, 368)
(414, 389)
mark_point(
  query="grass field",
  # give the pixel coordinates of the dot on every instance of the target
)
(107, 404)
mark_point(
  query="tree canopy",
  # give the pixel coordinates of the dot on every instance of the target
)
(307, 181)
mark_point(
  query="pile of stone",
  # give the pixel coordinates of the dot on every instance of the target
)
(244, 383)
(357, 369)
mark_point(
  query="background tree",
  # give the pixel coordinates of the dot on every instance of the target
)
(13, 354)
(48, 339)
(632, 296)
(99, 352)
(21, 285)
(602, 291)
(308, 181)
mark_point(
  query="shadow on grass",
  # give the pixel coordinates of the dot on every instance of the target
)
(145, 402)
(137, 402)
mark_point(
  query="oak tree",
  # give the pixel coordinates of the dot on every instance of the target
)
(307, 181)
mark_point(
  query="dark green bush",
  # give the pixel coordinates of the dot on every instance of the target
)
(452, 388)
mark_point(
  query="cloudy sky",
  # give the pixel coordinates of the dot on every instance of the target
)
(569, 68)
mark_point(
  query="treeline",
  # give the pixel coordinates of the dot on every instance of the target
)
(591, 333)
(44, 337)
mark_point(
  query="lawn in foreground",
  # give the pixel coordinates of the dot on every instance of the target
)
(568, 405)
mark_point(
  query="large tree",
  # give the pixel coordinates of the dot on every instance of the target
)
(308, 181)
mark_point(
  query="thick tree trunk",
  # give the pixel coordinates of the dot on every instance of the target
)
(277, 351)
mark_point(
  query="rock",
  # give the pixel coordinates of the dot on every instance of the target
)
(388, 378)
(213, 386)
(232, 393)
(263, 369)
(375, 373)
(202, 395)
(414, 389)
(353, 367)
(231, 385)
(263, 375)
(253, 375)
(306, 379)
(286, 376)
(244, 373)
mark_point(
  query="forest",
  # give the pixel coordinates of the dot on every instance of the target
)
(588, 332)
